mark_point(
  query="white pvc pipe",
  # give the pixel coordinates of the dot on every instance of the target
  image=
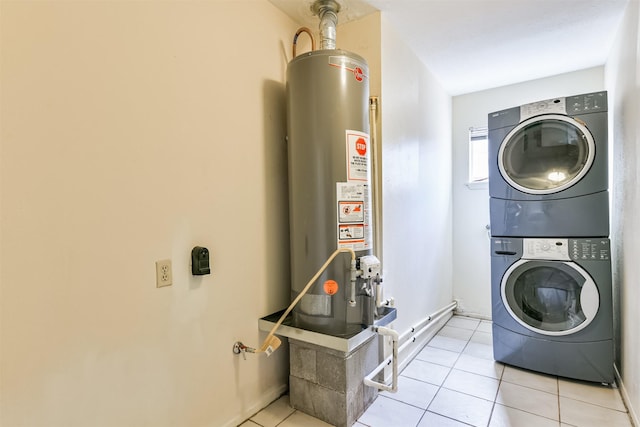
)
(379, 295)
(430, 321)
(394, 357)
(354, 274)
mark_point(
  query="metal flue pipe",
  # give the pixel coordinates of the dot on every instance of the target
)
(327, 11)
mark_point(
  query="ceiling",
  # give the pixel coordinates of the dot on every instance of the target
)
(472, 45)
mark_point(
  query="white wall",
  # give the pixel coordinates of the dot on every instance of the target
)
(416, 174)
(131, 132)
(623, 83)
(471, 264)
(363, 37)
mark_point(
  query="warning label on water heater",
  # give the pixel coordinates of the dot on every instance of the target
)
(357, 156)
(353, 215)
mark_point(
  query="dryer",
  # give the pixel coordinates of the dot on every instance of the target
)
(548, 172)
(552, 306)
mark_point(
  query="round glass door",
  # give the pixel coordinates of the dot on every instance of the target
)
(546, 154)
(550, 297)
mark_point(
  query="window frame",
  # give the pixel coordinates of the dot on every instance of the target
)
(476, 180)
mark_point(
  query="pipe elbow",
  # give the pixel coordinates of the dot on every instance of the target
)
(382, 330)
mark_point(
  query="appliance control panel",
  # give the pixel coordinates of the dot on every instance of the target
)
(551, 249)
(590, 249)
(588, 103)
(571, 105)
(548, 106)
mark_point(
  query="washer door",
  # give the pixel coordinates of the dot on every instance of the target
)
(550, 297)
(546, 154)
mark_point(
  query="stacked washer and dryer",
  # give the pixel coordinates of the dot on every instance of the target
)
(551, 285)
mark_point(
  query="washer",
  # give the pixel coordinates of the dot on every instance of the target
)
(552, 306)
(548, 172)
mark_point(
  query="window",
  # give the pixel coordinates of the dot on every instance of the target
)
(478, 155)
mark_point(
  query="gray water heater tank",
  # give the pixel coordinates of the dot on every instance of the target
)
(329, 183)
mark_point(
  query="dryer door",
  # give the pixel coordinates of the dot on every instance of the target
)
(546, 154)
(550, 297)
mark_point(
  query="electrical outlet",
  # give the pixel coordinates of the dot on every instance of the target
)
(164, 276)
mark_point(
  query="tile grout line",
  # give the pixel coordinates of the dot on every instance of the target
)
(535, 389)
(425, 382)
(425, 411)
(559, 410)
(440, 387)
(287, 417)
(450, 369)
(495, 398)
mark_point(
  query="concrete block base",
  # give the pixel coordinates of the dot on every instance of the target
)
(329, 384)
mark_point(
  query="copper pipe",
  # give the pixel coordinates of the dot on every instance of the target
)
(295, 39)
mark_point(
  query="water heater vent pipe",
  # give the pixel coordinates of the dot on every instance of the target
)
(327, 11)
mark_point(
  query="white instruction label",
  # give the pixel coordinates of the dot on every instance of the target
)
(354, 216)
(357, 156)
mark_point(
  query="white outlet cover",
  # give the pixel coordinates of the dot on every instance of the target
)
(164, 275)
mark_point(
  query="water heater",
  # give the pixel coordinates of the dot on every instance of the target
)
(329, 185)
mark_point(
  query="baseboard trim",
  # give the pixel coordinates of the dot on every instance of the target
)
(625, 397)
(479, 316)
(265, 400)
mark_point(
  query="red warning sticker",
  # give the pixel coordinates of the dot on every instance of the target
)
(351, 211)
(361, 146)
(357, 155)
(354, 216)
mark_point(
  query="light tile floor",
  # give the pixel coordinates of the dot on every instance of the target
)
(454, 382)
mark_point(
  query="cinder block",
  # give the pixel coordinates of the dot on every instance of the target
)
(302, 362)
(329, 384)
(332, 372)
(320, 402)
(300, 396)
